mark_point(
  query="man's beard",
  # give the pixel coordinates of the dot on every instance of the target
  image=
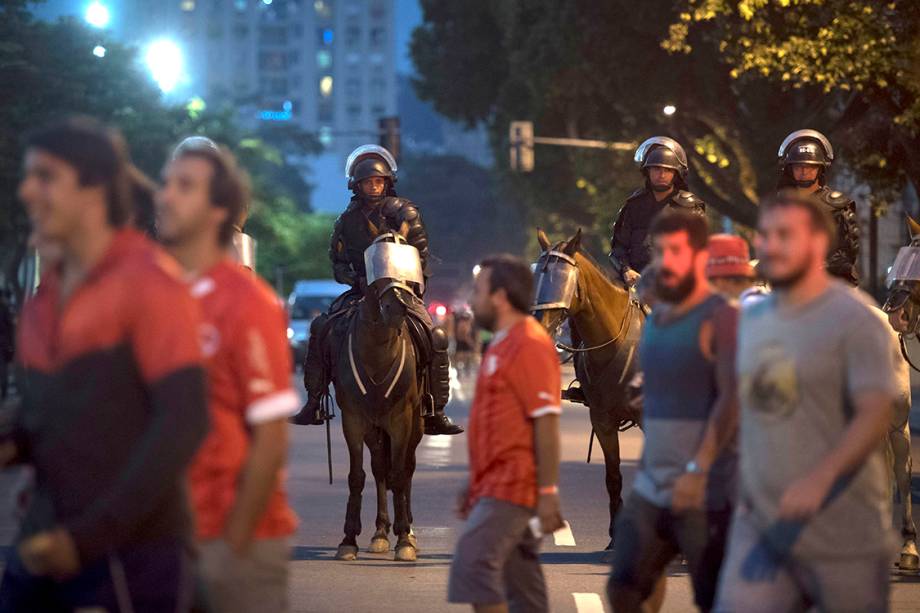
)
(485, 319)
(677, 293)
(790, 279)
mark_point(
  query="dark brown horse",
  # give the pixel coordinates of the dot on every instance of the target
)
(606, 319)
(376, 380)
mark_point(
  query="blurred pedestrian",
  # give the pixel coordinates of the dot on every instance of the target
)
(817, 382)
(514, 450)
(682, 495)
(729, 268)
(243, 520)
(7, 344)
(113, 397)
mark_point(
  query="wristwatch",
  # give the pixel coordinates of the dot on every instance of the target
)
(693, 468)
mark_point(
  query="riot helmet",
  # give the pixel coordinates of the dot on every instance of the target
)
(663, 152)
(370, 161)
(806, 147)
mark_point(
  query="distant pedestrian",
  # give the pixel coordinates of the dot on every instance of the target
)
(817, 382)
(729, 268)
(682, 495)
(113, 394)
(514, 450)
(7, 344)
(243, 520)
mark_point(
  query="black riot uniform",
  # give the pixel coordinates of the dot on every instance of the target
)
(355, 231)
(630, 244)
(810, 147)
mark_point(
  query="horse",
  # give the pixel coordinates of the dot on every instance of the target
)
(903, 308)
(376, 375)
(603, 314)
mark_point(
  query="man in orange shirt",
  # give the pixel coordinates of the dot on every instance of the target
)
(243, 520)
(514, 450)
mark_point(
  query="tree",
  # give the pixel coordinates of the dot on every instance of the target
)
(464, 214)
(863, 56)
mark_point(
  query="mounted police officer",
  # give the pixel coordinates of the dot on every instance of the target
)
(371, 173)
(664, 164)
(804, 159)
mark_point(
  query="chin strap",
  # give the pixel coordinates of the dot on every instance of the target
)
(905, 354)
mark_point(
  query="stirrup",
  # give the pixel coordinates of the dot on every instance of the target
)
(427, 405)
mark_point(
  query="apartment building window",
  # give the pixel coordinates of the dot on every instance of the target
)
(187, 5)
(240, 5)
(354, 113)
(378, 36)
(297, 30)
(323, 8)
(353, 88)
(378, 89)
(352, 35)
(241, 30)
(378, 110)
(378, 10)
(325, 111)
(215, 31)
(272, 60)
(276, 35)
(325, 37)
(323, 59)
(277, 87)
(325, 86)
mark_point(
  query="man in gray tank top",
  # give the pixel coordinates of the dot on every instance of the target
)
(681, 498)
(817, 379)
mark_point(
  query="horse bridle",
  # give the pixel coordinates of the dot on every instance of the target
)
(569, 260)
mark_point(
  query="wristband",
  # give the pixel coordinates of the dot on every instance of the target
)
(547, 490)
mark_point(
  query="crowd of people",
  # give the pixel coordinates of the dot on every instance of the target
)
(155, 376)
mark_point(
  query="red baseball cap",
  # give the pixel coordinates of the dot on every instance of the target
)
(729, 256)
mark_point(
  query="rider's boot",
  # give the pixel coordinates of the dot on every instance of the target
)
(312, 413)
(439, 375)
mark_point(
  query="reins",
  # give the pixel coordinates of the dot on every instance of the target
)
(624, 326)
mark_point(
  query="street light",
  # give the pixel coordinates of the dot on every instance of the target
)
(669, 110)
(97, 15)
(99, 51)
(164, 60)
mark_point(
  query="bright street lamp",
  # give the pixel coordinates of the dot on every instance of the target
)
(97, 15)
(669, 110)
(164, 60)
(99, 51)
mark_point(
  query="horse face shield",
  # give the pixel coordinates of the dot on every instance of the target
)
(391, 259)
(556, 282)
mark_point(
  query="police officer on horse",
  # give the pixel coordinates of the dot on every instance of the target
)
(804, 159)
(371, 173)
(663, 162)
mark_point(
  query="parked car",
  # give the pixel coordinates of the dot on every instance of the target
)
(309, 299)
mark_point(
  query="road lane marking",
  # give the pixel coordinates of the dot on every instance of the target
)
(436, 450)
(588, 603)
(563, 537)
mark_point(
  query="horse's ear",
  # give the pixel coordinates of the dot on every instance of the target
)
(543, 240)
(574, 244)
(913, 227)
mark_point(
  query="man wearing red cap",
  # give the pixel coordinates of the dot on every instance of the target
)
(729, 268)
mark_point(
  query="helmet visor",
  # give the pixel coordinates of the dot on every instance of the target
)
(365, 151)
(906, 266)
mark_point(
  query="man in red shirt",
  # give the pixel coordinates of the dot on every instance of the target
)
(243, 521)
(113, 395)
(514, 450)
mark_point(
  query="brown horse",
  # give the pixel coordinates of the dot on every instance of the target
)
(569, 285)
(376, 379)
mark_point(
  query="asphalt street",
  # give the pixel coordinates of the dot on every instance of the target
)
(575, 572)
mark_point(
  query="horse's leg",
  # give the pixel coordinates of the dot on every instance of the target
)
(899, 440)
(400, 434)
(354, 437)
(377, 440)
(410, 470)
(608, 436)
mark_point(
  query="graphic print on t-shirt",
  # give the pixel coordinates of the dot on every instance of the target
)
(772, 387)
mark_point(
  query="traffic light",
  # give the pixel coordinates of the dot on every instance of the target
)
(521, 139)
(389, 135)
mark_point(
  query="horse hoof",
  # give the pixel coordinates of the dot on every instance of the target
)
(379, 545)
(909, 561)
(347, 553)
(412, 540)
(405, 553)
